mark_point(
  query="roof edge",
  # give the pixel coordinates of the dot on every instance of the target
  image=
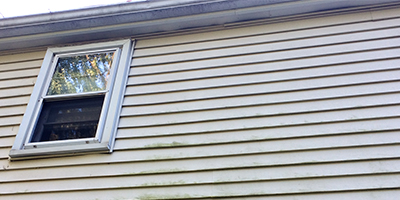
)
(156, 16)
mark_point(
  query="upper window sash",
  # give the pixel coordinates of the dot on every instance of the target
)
(59, 57)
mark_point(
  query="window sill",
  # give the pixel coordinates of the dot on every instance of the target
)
(26, 154)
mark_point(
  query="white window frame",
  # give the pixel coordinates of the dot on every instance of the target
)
(108, 122)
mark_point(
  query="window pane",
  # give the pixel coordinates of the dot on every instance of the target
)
(83, 73)
(68, 119)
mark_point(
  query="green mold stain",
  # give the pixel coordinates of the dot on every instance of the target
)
(172, 144)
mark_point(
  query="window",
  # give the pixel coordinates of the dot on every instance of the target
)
(74, 107)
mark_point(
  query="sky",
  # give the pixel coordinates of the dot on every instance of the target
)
(14, 8)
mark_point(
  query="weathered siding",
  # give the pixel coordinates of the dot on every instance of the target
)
(306, 109)
(17, 77)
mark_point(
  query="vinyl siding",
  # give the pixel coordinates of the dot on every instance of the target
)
(17, 77)
(307, 109)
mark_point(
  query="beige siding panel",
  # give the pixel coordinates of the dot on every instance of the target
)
(6, 141)
(273, 42)
(207, 177)
(22, 65)
(22, 57)
(351, 22)
(269, 77)
(274, 146)
(262, 54)
(252, 159)
(16, 92)
(10, 120)
(269, 60)
(348, 32)
(13, 101)
(312, 70)
(9, 111)
(263, 121)
(374, 126)
(127, 171)
(4, 152)
(147, 194)
(295, 144)
(132, 107)
(19, 74)
(391, 194)
(274, 187)
(174, 95)
(263, 110)
(353, 19)
(312, 185)
(355, 127)
(168, 163)
(17, 82)
(12, 111)
(293, 49)
(385, 13)
(6, 131)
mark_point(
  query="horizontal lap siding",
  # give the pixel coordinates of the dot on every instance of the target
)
(18, 74)
(294, 110)
(296, 95)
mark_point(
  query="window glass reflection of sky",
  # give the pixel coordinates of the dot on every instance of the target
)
(83, 73)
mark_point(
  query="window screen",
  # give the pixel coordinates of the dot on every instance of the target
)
(69, 119)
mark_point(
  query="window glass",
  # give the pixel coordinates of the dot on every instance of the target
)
(68, 119)
(81, 73)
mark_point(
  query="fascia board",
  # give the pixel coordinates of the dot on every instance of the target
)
(150, 21)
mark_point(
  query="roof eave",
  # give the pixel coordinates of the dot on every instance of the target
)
(130, 20)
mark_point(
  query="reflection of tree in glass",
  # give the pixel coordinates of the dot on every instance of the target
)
(83, 73)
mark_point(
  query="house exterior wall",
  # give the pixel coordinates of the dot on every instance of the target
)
(17, 77)
(306, 109)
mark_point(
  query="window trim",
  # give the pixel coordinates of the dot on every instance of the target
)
(105, 139)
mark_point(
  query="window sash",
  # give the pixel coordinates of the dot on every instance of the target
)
(57, 57)
(68, 116)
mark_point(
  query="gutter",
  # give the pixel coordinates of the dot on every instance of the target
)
(156, 16)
